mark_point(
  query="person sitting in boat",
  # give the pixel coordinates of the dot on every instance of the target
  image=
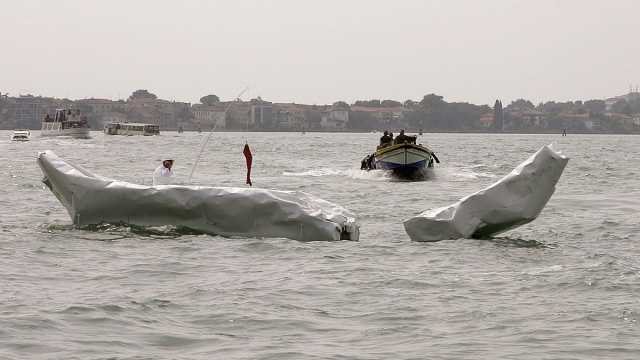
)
(163, 174)
(385, 139)
(402, 138)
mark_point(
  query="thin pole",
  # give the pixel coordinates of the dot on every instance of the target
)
(206, 140)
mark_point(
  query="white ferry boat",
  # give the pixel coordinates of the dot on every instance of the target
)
(119, 128)
(21, 135)
(66, 122)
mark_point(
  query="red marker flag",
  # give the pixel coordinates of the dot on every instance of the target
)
(249, 158)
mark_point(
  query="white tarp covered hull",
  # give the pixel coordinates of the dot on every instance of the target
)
(247, 212)
(516, 199)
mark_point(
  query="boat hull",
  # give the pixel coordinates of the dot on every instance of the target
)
(248, 212)
(51, 129)
(404, 160)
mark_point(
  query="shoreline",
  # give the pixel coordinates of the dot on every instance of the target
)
(408, 131)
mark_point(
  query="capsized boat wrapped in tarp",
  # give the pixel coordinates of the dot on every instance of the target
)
(516, 199)
(247, 212)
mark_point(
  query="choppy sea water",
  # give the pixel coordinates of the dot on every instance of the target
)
(566, 286)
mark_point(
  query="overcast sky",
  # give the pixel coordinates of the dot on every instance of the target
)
(321, 51)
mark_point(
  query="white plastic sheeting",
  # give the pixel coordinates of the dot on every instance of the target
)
(516, 199)
(246, 212)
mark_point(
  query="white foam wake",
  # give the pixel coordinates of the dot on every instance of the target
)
(352, 173)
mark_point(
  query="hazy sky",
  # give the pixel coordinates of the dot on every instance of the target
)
(321, 51)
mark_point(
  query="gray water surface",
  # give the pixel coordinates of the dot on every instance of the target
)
(566, 286)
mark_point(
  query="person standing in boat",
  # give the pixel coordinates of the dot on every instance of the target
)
(163, 175)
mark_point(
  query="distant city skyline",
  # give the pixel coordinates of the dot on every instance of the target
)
(321, 52)
(629, 89)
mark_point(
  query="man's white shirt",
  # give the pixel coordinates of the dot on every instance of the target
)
(162, 176)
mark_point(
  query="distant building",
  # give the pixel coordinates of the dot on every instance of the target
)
(335, 119)
(579, 121)
(635, 120)
(209, 116)
(524, 118)
(238, 115)
(100, 106)
(149, 109)
(30, 110)
(262, 114)
(389, 117)
(631, 96)
(290, 116)
(487, 120)
(141, 109)
(170, 113)
(114, 117)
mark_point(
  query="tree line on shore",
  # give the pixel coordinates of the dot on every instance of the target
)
(432, 112)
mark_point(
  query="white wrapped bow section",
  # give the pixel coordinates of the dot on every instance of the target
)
(247, 212)
(516, 199)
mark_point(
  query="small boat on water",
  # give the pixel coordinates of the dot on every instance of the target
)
(129, 129)
(402, 156)
(21, 135)
(66, 122)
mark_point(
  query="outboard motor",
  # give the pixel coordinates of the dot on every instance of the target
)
(350, 231)
(368, 162)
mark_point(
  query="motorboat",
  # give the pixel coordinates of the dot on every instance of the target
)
(66, 122)
(21, 135)
(404, 158)
(227, 211)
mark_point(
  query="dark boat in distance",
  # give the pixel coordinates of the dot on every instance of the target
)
(402, 156)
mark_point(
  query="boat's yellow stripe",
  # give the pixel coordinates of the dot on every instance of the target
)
(398, 146)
